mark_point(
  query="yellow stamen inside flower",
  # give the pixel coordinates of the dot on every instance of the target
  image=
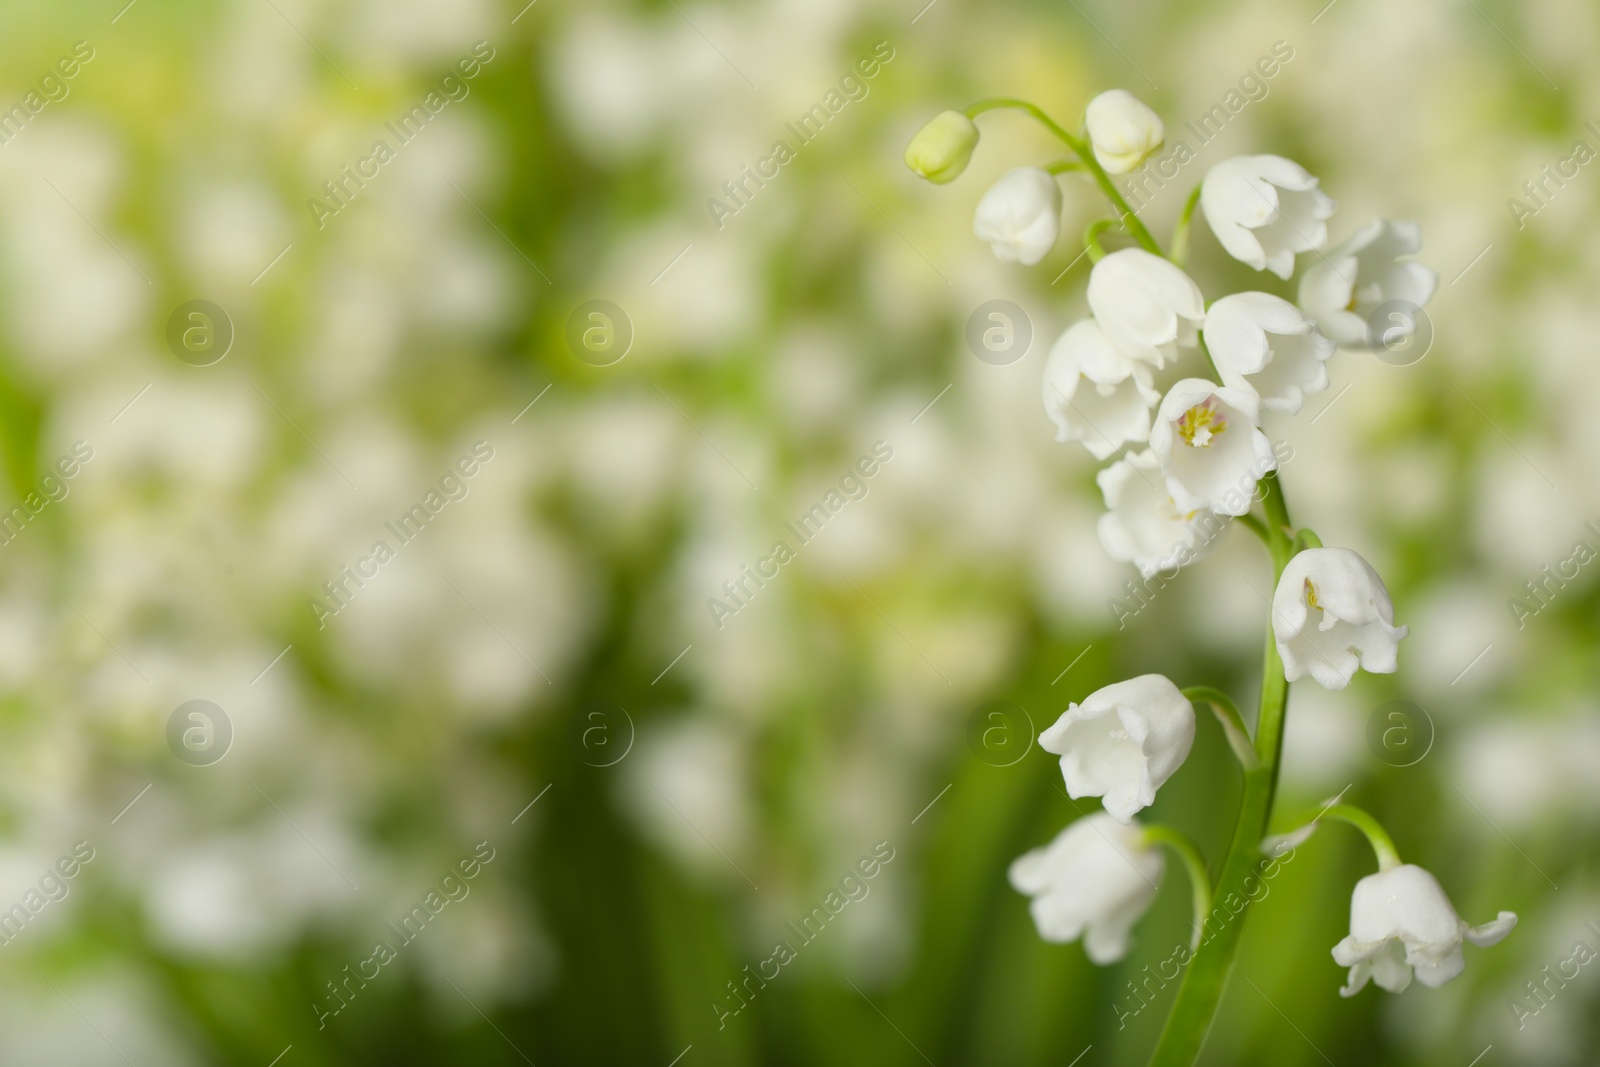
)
(1201, 423)
(1311, 594)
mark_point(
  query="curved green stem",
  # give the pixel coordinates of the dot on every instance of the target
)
(1062, 166)
(1363, 820)
(1278, 518)
(1256, 525)
(1180, 234)
(1307, 538)
(1091, 238)
(1207, 976)
(1195, 864)
(1227, 713)
(1084, 154)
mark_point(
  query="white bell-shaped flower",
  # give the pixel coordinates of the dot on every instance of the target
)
(1020, 215)
(1360, 275)
(1206, 440)
(1264, 210)
(1332, 614)
(1143, 526)
(1123, 742)
(1147, 305)
(1400, 920)
(1094, 881)
(1096, 394)
(1123, 131)
(1265, 345)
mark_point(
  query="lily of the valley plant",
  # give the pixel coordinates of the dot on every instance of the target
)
(1193, 458)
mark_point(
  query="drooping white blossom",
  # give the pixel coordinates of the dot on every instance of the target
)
(1400, 922)
(1265, 345)
(1143, 526)
(1344, 289)
(1212, 453)
(1094, 881)
(1123, 742)
(1096, 394)
(1020, 215)
(1123, 131)
(1332, 614)
(1147, 305)
(941, 149)
(1264, 210)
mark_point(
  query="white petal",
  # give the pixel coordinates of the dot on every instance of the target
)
(1020, 215)
(1492, 932)
(1147, 306)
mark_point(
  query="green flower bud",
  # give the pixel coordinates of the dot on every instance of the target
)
(940, 150)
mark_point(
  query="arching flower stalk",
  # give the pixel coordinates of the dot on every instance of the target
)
(1209, 462)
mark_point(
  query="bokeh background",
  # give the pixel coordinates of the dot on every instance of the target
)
(539, 669)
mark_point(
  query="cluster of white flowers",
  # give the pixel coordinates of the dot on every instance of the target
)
(1195, 455)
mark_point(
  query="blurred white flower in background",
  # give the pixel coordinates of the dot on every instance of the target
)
(685, 786)
(1524, 770)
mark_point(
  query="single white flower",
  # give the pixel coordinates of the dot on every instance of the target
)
(1147, 305)
(1020, 215)
(1264, 209)
(1400, 919)
(1096, 394)
(1123, 131)
(1143, 526)
(1265, 345)
(940, 150)
(1094, 881)
(1331, 614)
(1206, 440)
(1360, 275)
(1123, 742)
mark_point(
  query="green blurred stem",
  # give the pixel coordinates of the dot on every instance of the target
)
(1195, 864)
(1085, 155)
(1307, 538)
(1227, 713)
(1091, 238)
(1256, 525)
(1180, 234)
(1204, 981)
(1062, 166)
(1382, 844)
